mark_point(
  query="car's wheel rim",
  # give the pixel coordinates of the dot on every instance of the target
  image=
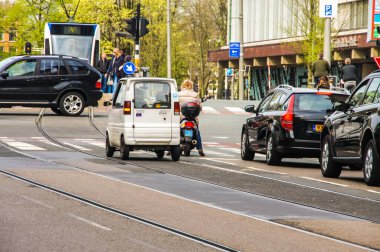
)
(72, 104)
(325, 156)
(368, 165)
(269, 148)
(243, 140)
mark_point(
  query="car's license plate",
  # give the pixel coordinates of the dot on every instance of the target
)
(188, 133)
(317, 127)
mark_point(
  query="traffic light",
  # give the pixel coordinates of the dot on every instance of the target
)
(132, 26)
(143, 26)
(28, 48)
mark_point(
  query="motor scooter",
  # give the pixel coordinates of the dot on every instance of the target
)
(189, 126)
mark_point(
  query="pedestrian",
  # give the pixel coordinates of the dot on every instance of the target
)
(320, 68)
(102, 66)
(349, 75)
(114, 68)
(187, 94)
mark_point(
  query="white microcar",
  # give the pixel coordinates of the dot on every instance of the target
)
(145, 115)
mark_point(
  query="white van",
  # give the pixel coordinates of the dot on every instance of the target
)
(145, 115)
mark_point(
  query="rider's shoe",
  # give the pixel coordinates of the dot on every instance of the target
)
(201, 153)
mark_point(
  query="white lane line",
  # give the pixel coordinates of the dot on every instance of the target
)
(219, 161)
(263, 170)
(373, 191)
(84, 139)
(48, 142)
(207, 151)
(77, 146)
(89, 222)
(37, 202)
(23, 146)
(37, 137)
(220, 137)
(209, 110)
(96, 143)
(235, 150)
(318, 180)
(237, 110)
(3, 137)
(210, 143)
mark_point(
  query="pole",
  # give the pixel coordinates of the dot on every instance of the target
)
(241, 58)
(137, 38)
(327, 41)
(169, 66)
(232, 86)
(225, 84)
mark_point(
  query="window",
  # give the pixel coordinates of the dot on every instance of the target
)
(22, 68)
(77, 67)
(12, 36)
(52, 67)
(1, 36)
(119, 102)
(372, 95)
(265, 103)
(312, 102)
(358, 96)
(152, 95)
(273, 104)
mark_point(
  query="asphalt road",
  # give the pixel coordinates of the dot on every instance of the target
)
(219, 197)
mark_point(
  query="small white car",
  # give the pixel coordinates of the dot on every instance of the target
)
(145, 115)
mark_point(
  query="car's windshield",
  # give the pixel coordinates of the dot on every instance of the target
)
(5, 62)
(317, 102)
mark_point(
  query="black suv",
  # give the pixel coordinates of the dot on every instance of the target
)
(288, 123)
(65, 84)
(351, 136)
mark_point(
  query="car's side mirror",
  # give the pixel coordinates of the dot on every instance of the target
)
(106, 103)
(250, 108)
(4, 75)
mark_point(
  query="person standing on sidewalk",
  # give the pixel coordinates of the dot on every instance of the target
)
(113, 69)
(102, 66)
(320, 68)
(349, 75)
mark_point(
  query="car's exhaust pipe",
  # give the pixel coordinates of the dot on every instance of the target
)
(194, 142)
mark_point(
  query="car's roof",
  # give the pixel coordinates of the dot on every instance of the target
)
(46, 56)
(148, 79)
(290, 90)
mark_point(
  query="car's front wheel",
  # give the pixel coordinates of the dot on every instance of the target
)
(245, 152)
(272, 156)
(329, 168)
(72, 104)
(371, 169)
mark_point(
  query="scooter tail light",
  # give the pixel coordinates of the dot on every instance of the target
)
(127, 107)
(177, 108)
(287, 118)
(189, 124)
(98, 84)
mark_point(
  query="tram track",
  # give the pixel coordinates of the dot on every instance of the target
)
(38, 122)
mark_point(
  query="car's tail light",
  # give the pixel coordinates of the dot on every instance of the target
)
(287, 118)
(98, 84)
(127, 107)
(324, 93)
(177, 109)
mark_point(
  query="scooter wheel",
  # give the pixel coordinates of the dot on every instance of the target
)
(187, 149)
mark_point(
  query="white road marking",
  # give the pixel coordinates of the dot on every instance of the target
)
(210, 143)
(96, 143)
(3, 137)
(373, 191)
(263, 170)
(220, 137)
(37, 137)
(22, 145)
(38, 202)
(235, 150)
(48, 142)
(209, 110)
(84, 139)
(207, 151)
(237, 110)
(332, 183)
(219, 161)
(77, 146)
(90, 222)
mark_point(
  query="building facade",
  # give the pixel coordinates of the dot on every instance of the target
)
(270, 29)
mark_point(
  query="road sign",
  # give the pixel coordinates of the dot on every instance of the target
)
(234, 49)
(129, 68)
(328, 8)
(377, 60)
(230, 72)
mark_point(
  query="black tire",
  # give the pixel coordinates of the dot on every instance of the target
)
(71, 104)
(175, 152)
(329, 167)
(187, 149)
(109, 149)
(56, 110)
(124, 149)
(245, 152)
(371, 170)
(160, 153)
(355, 167)
(272, 156)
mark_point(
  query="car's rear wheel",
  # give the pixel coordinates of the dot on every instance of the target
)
(72, 104)
(272, 156)
(160, 153)
(124, 149)
(109, 149)
(371, 169)
(246, 153)
(175, 152)
(329, 168)
(56, 110)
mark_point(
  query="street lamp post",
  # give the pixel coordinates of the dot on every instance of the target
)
(169, 63)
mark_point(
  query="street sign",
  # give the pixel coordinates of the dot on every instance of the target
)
(230, 72)
(377, 61)
(234, 49)
(328, 8)
(129, 68)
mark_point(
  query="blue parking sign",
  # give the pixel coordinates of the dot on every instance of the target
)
(328, 10)
(234, 50)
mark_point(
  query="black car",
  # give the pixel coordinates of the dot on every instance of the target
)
(65, 84)
(288, 123)
(351, 136)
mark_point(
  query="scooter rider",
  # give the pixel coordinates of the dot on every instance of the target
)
(187, 94)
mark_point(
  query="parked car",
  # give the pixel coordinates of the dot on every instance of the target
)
(65, 84)
(288, 123)
(351, 135)
(145, 115)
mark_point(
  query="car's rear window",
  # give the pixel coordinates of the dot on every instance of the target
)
(151, 95)
(317, 102)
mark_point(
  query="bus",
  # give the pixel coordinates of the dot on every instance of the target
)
(73, 39)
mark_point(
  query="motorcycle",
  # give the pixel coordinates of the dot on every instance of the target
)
(189, 126)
